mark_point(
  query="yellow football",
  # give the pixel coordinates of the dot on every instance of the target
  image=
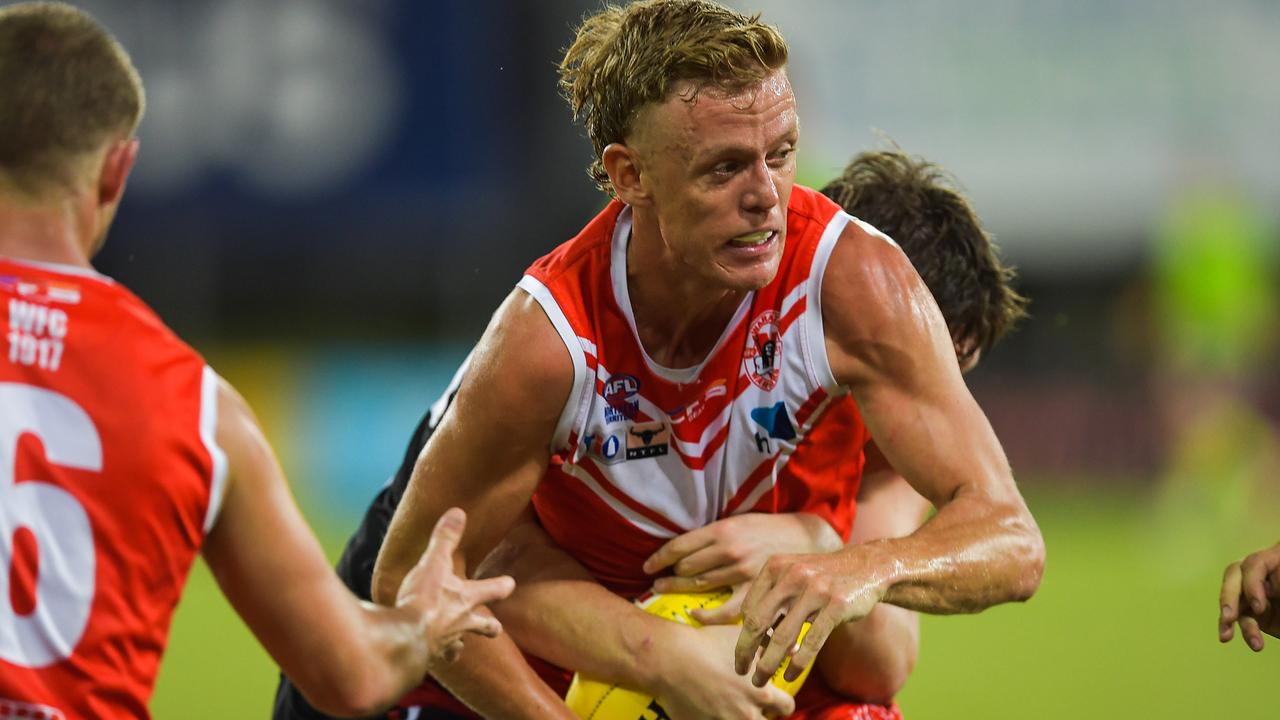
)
(594, 700)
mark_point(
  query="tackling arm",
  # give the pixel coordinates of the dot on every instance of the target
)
(562, 614)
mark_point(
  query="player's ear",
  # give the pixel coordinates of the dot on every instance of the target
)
(114, 172)
(621, 162)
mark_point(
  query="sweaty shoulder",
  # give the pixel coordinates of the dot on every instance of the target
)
(877, 313)
(521, 365)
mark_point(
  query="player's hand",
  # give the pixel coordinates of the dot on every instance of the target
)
(451, 606)
(732, 551)
(826, 589)
(1250, 591)
(696, 682)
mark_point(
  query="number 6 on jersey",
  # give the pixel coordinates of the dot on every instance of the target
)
(49, 629)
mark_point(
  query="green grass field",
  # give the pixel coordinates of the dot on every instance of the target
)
(1123, 627)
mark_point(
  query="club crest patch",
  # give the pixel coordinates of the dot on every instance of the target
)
(764, 346)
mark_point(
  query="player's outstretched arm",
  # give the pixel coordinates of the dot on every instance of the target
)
(981, 548)
(349, 658)
(1249, 595)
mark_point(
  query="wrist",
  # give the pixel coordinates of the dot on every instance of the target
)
(879, 562)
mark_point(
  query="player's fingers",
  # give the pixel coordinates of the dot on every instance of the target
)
(445, 538)
(451, 650)
(819, 630)
(775, 702)
(701, 560)
(482, 624)
(1250, 633)
(725, 614)
(1229, 601)
(1253, 575)
(781, 644)
(480, 592)
(760, 607)
(676, 548)
(710, 580)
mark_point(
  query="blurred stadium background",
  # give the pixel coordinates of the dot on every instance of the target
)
(333, 195)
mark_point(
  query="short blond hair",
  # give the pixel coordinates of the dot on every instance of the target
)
(66, 87)
(623, 58)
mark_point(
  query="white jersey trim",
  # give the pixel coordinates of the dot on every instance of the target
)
(208, 436)
(583, 382)
(819, 365)
(873, 230)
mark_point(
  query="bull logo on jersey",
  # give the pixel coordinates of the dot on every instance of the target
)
(764, 345)
(621, 398)
(646, 440)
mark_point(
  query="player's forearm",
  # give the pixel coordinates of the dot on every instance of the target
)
(493, 678)
(560, 613)
(375, 655)
(583, 626)
(871, 659)
(977, 551)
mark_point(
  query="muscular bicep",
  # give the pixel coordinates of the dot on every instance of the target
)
(887, 342)
(493, 445)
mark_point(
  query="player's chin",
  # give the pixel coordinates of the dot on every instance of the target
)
(753, 273)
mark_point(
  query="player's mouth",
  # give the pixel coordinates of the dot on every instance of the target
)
(755, 242)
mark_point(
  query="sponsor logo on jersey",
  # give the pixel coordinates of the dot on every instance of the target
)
(621, 398)
(646, 440)
(605, 447)
(695, 409)
(775, 421)
(764, 345)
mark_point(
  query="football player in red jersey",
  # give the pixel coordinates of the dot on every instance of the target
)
(694, 126)
(917, 203)
(122, 454)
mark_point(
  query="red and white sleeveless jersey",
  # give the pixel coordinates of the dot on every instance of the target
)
(643, 453)
(109, 480)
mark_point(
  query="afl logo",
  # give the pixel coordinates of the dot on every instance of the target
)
(764, 345)
(620, 399)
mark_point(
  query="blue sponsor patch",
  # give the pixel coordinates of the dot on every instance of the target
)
(775, 421)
